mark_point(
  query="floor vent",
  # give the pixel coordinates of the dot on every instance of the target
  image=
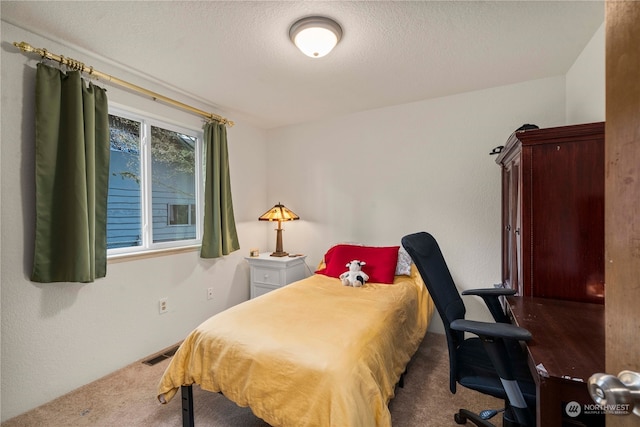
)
(165, 354)
(170, 352)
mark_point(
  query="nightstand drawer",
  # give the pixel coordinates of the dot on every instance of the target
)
(268, 276)
(261, 289)
(268, 273)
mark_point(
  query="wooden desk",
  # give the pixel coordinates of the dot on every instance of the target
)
(569, 344)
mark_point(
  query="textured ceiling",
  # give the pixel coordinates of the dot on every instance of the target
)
(237, 56)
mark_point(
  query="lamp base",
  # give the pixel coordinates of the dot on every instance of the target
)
(279, 254)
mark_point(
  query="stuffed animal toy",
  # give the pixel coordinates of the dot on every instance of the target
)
(355, 276)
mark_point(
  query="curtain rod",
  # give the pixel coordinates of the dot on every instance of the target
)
(79, 66)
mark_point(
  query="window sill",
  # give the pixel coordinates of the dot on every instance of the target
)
(112, 259)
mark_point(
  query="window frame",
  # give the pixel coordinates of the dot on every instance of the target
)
(146, 121)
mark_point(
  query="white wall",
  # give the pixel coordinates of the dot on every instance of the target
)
(57, 337)
(370, 177)
(586, 83)
(375, 176)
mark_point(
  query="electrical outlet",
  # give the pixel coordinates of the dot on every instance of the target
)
(209, 293)
(163, 306)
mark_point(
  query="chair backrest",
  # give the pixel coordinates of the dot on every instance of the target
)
(426, 255)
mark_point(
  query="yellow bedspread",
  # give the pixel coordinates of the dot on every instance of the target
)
(313, 353)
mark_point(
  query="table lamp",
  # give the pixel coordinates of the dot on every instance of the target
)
(279, 213)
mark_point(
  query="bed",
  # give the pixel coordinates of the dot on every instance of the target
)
(313, 353)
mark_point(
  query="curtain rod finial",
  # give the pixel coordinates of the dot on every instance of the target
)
(23, 46)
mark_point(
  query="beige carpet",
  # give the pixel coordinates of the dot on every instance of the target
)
(127, 398)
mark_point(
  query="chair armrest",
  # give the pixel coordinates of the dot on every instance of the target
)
(491, 298)
(490, 292)
(491, 330)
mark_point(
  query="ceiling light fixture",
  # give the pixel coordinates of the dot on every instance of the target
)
(315, 36)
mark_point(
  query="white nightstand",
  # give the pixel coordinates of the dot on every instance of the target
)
(269, 273)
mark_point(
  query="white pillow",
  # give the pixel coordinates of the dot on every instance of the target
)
(403, 267)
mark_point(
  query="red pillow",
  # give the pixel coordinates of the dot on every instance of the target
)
(380, 261)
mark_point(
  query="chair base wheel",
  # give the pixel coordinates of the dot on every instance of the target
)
(459, 418)
(464, 415)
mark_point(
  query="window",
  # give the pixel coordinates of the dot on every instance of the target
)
(181, 214)
(154, 185)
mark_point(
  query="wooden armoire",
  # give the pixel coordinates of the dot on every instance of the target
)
(553, 212)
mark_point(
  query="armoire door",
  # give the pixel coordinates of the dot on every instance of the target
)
(511, 241)
(565, 208)
(514, 239)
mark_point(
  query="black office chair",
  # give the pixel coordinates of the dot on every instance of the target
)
(494, 362)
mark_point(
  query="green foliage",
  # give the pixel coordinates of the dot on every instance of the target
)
(173, 149)
(124, 134)
(128, 175)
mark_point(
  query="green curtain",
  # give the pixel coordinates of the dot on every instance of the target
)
(72, 178)
(219, 237)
